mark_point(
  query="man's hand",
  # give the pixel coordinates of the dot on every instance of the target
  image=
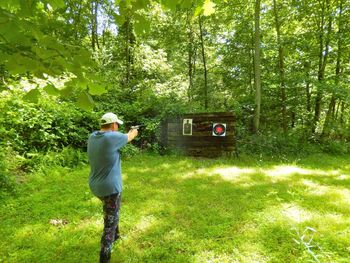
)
(132, 134)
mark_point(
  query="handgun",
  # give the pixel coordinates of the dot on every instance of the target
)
(136, 127)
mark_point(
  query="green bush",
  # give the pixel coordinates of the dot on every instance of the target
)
(42, 127)
(129, 150)
(335, 147)
(7, 182)
(279, 144)
(66, 157)
(276, 144)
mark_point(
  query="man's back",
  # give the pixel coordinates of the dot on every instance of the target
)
(105, 175)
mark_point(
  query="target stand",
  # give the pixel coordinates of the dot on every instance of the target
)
(201, 134)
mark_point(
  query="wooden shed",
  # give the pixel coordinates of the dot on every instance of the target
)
(201, 134)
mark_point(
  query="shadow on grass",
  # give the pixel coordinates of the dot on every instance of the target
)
(210, 213)
(180, 210)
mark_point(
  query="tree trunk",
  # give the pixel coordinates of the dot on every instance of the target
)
(204, 64)
(323, 54)
(281, 68)
(93, 41)
(127, 50)
(342, 109)
(337, 111)
(251, 65)
(94, 25)
(77, 20)
(307, 87)
(191, 56)
(129, 41)
(257, 68)
(329, 119)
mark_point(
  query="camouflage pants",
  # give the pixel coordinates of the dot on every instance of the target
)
(111, 206)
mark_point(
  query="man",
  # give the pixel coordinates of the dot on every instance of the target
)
(105, 175)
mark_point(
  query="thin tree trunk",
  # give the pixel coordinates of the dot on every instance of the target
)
(293, 118)
(77, 20)
(342, 109)
(257, 68)
(190, 56)
(281, 68)
(332, 103)
(127, 50)
(337, 110)
(194, 63)
(333, 112)
(204, 63)
(93, 40)
(328, 121)
(96, 25)
(252, 64)
(307, 87)
(323, 54)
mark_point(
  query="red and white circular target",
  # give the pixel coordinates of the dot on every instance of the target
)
(219, 129)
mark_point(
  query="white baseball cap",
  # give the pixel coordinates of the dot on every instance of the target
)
(110, 117)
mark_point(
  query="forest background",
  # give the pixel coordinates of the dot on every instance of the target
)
(282, 67)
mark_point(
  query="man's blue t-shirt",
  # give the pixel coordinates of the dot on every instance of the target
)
(103, 151)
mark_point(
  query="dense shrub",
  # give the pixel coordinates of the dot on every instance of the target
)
(335, 147)
(66, 157)
(48, 125)
(129, 151)
(279, 144)
(6, 180)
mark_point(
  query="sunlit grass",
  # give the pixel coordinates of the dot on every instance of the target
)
(178, 209)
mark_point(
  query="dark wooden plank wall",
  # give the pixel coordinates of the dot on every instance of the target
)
(201, 142)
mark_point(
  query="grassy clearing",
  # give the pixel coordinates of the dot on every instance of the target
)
(179, 209)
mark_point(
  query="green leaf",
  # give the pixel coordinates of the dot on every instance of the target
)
(39, 71)
(27, 7)
(96, 88)
(66, 91)
(18, 64)
(51, 90)
(56, 3)
(80, 82)
(187, 4)
(170, 4)
(11, 32)
(4, 17)
(44, 53)
(140, 4)
(141, 25)
(208, 8)
(2, 88)
(32, 95)
(120, 19)
(128, 3)
(83, 57)
(10, 4)
(85, 102)
(198, 11)
(52, 43)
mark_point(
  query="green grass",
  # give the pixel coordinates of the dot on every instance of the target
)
(178, 209)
